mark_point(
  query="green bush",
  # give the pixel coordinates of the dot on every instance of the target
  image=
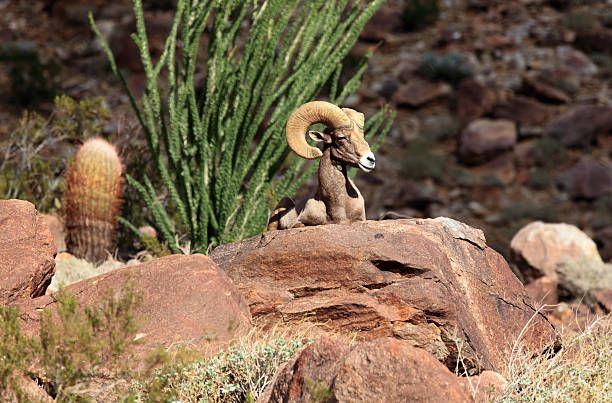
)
(75, 344)
(451, 67)
(238, 374)
(31, 80)
(417, 14)
(527, 210)
(580, 22)
(219, 151)
(30, 169)
(420, 162)
(548, 153)
(539, 179)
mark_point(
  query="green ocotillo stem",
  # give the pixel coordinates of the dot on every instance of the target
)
(92, 200)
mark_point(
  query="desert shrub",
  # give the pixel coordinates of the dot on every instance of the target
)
(548, 152)
(604, 62)
(581, 371)
(452, 67)
(16, 352)
(75, 343)
(439, 128)
(581, 276)
(539, 179)
(420, 162)
(237, 374)
(71, 269)
(31, 80)
(218, 151)
(602, 212)
(528, 210)
(418, 14)
(30, 169)
(580, 22)
(490, 180)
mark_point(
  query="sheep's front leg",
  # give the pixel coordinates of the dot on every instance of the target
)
(337, 215)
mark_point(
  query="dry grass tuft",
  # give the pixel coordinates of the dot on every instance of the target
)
(581, 371)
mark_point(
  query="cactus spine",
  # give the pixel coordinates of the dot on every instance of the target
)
(92, 200)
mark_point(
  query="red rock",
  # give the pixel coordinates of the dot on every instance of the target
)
(484, 139)
(424, 281)
(529, 115)
(386, 20)
(187, 301)
(603, 298)
(588, 179)
(418, 92)
(582, 125)
(27, 249)
(543, 291)
(474, 100)
(543, 91)
(383, 370)
(538, 248)
(501, 167)
(486, 387)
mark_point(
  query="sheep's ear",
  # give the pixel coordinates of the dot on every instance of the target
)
(320, 137)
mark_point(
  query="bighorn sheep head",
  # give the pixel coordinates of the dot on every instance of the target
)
(343, 133)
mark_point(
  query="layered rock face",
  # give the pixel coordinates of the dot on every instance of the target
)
(433, 283)
(27, 251)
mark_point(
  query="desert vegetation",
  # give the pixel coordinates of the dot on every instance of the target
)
(148, 134)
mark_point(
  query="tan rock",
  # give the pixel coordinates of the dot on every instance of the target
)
(27, 250)
(538, 248)
(187, 301)
(57, 230)
(389, 278)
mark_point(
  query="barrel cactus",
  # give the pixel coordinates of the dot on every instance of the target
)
(92, 200)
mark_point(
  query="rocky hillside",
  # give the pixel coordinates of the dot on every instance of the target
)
(504, 108)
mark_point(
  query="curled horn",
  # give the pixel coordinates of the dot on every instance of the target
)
(307, 115)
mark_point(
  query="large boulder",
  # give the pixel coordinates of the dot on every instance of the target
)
(383, 370)
(538, 249)
(27, 251)
(186, 301)
(429, 282)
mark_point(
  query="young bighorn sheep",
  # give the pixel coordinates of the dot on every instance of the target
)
(337, 199)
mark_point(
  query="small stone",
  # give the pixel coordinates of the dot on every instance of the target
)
(474, 100)
(484, 139)
(544, 91)
(419, 92)
(588, 179)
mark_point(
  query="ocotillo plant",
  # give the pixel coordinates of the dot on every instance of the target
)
(218, 149)
(92, 200)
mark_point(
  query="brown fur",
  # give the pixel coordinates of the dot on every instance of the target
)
(337, 199)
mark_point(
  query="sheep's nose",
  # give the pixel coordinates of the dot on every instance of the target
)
(367, 162)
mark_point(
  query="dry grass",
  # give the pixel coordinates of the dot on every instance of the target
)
(239, 373)
(581, 371)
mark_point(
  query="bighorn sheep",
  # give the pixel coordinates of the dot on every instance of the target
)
(337, 199)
